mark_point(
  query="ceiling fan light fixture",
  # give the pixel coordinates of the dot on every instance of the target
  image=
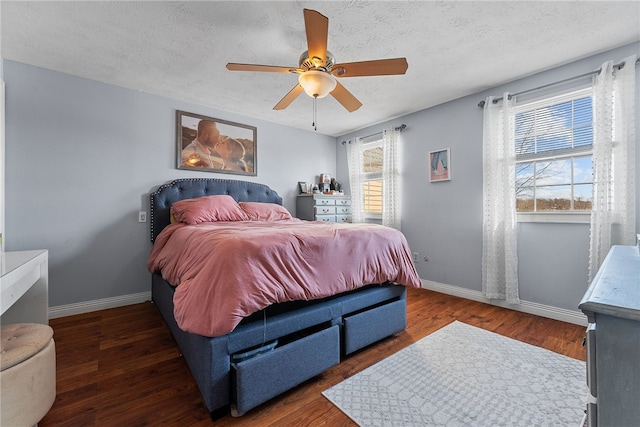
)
(317, 76)
(317, 84)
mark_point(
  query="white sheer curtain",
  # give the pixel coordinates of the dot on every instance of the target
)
(354, 163)
(613, 216)
(391, 191)
(499, 234)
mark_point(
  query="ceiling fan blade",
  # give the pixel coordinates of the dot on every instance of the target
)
(380, 67)
(265, 68)
(344, 97)
(288, 98)
(317, 26)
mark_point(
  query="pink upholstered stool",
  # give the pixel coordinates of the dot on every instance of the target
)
(28, 373)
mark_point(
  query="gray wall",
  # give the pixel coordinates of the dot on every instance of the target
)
(81, 159)
(443, 221)
(82, 156)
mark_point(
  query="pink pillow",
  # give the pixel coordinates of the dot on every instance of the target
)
(257, 211)
(208, 209)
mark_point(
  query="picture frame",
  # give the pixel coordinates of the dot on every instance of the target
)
(440, 165)
(303, 187)
(208, 144)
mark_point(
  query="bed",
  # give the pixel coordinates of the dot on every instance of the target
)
(301, 318)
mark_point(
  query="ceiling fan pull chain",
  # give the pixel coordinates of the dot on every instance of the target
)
(315, 98)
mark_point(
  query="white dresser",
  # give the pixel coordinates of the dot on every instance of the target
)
(324, 207)
(612, 305)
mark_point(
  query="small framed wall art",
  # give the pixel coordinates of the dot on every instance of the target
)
(440, 165)
(214, 145)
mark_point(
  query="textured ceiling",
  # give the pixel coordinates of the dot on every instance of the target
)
(180, 49)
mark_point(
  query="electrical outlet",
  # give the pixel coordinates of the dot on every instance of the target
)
(142, 216)
(426, 258)
(415, 256)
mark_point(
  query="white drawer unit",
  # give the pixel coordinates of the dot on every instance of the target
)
(324, 207)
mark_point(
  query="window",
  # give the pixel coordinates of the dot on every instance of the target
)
(372, 155)
(554, 166)
(374, 178)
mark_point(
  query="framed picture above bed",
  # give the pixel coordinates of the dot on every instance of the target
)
(213, 145)
(440, 165)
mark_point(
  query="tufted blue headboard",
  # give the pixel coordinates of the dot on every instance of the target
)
(190, 188)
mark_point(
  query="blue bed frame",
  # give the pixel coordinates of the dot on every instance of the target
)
(291, 342)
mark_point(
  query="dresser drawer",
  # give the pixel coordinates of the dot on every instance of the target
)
(325, 202)
(591, 359)
(325, 210)
(343, 210)
(343, 218)
(326, 218)
(592, 414)
(343, 202)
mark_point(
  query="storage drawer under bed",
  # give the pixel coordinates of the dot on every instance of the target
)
(263, 377)
(366, 327)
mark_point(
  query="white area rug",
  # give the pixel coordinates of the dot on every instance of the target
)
(462, 375)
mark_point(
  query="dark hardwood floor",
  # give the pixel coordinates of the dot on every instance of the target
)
(121, 367)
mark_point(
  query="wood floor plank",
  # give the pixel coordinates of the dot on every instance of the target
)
(121, 366)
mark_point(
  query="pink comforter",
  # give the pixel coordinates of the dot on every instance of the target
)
(224, 271)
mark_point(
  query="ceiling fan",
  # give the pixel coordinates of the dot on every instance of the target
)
(318, 71)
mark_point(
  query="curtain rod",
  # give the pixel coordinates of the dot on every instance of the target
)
(591, 73)
(398, 128)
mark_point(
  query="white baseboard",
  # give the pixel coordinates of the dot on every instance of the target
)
(564, 315)
(95, 305)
